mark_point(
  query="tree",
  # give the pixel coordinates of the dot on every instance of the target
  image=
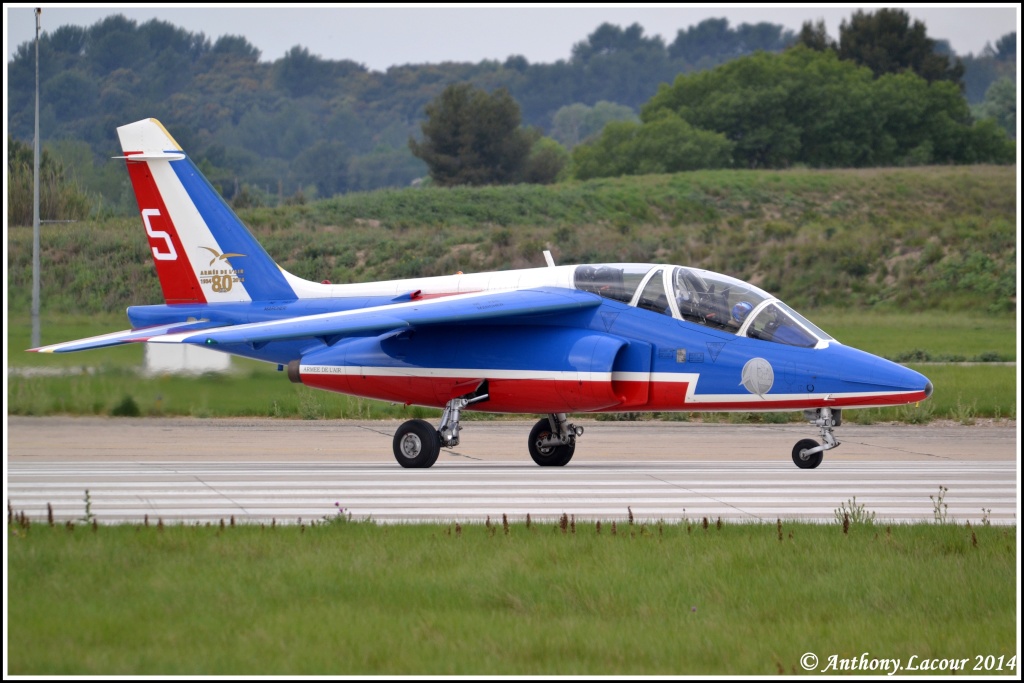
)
(668, 144)
(1006, 47)
(546, 161)
(609, 39)
(472, 138)
(238, 46)
(887, 43)
(815, 36)
(324, 165)
(804, 106)
(712, 42)
(114, 43)
(299, 73)
(1000, 105)
(616, 64)
(59, 198)
(707, 40)
(72, 94)
(665, 144)
(574, 123)
(763, 36)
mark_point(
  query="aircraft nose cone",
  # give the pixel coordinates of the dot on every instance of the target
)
(928, 390)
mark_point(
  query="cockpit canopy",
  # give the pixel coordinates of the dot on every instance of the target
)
(702, 297)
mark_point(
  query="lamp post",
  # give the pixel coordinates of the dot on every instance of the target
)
(35, 205)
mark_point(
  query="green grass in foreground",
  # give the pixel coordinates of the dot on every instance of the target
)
(362, 599)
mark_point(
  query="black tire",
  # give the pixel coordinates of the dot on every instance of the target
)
(549, 456)
(804, 461)
(416, 444)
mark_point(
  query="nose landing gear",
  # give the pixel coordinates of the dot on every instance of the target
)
(808, 453)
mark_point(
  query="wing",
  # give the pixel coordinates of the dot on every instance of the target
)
(462, 308)
(141, 334)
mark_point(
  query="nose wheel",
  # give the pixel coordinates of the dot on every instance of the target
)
(808, 453)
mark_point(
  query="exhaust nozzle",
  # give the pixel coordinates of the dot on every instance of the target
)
(293, 371)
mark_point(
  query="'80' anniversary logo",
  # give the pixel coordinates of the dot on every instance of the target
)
(221, 279)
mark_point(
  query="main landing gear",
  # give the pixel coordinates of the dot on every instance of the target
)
(553, 440)
(417, 444)
(808, 453)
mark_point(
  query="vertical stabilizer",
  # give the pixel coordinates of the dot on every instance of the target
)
(202, 251)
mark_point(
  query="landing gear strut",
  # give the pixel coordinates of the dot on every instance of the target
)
(553, 440)
(808, 453)
(417, 443)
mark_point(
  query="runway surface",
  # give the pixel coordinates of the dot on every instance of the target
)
(196, 470)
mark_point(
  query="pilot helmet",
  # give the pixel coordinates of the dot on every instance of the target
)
(741, 310)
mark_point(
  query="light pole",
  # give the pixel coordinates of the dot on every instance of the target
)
(35, 205)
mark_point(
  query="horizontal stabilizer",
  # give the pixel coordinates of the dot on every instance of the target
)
(141, 334)
(158, 156)
(490, 307)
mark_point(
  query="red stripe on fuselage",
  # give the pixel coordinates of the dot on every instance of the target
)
(568, 396)
(506, 395)
(177, 278)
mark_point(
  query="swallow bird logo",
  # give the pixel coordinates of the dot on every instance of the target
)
(217, 256)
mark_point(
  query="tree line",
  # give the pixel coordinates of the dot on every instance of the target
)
(303, 127)
(799, 107)
(879, 96)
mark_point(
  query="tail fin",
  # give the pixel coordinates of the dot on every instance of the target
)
(202, 251)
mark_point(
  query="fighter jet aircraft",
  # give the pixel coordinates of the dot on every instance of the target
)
(609, 337)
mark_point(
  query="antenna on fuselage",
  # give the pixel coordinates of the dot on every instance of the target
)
(550, 260)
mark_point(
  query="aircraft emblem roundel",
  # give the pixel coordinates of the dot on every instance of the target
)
(758, 376)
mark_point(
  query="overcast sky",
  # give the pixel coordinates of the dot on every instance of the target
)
(386, 35)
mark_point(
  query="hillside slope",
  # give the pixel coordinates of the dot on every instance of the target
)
(916, 238)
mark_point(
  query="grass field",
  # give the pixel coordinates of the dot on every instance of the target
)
(926, 336)
(352, 598)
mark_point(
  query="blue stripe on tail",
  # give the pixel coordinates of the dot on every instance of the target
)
(263, 278)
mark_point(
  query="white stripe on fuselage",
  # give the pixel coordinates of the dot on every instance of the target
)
(691, 379)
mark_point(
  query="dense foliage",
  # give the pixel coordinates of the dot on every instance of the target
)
(303, 127)
(798, 107)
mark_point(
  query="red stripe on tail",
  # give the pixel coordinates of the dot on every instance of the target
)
(177, 278)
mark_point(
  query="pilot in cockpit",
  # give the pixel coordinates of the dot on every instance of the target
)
(739, 313)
